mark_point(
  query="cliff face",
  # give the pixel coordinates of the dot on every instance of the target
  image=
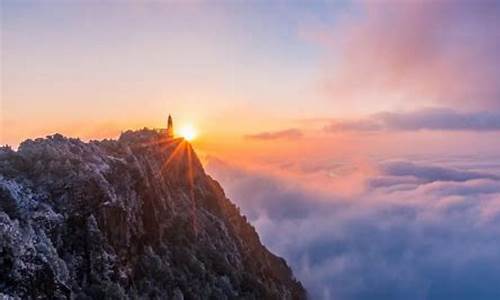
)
(132, 218)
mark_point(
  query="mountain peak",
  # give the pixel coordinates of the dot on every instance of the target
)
(136, 217)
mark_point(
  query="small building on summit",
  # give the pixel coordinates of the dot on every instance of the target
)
(170, 127)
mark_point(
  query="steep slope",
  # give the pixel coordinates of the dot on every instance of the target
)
(132, 218)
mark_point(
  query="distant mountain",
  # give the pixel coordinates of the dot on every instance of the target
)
(130, 218)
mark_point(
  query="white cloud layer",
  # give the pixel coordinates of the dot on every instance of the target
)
(418, 229)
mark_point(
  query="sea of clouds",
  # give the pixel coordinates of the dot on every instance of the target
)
(413, 228)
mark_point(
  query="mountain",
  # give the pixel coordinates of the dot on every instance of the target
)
(136, 218)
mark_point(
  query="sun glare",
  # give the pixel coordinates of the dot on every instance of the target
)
(188, 132)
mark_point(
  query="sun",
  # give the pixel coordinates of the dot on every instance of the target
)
(188, 132)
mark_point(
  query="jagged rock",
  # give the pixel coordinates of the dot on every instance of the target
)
(132, 218)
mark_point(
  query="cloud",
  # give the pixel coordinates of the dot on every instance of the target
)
(290, 134)
(417, 52)
(287, 200)
(424, 230)
(425, 119)
(430, 173)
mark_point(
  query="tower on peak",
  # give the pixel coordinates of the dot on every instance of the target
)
(170, 127)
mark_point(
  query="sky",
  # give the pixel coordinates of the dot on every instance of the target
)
(361, 138)
(234, 68)
(117, 64)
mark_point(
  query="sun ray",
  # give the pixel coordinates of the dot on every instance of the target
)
(173, 154)
(191, 188)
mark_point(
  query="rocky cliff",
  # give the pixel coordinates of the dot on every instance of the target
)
(130, 218)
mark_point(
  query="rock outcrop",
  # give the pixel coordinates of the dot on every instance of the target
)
(130, 218)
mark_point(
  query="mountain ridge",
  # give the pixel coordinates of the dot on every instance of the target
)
(136, 217)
